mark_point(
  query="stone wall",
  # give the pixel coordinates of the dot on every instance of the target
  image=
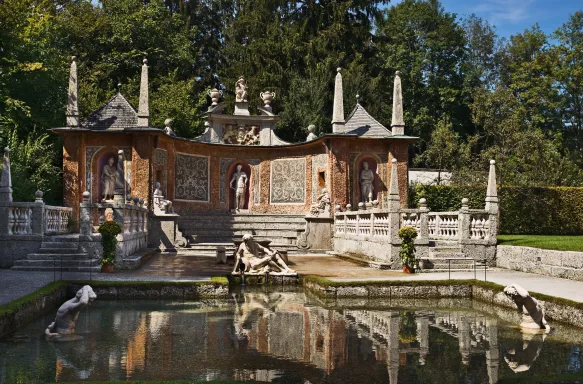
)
(567, 265)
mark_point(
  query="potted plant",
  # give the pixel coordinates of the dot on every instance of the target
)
(407, 252)
(109, 231)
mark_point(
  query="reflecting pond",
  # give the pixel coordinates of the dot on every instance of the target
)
(290, 337)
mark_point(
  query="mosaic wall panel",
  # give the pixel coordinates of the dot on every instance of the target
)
(224, 165)
(288, 181)
(318, 162)
(192, 178)
(161, 160)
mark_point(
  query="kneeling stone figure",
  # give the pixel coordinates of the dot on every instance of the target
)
(533, 315)
(68, 313)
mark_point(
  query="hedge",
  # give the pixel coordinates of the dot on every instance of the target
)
(523, 210)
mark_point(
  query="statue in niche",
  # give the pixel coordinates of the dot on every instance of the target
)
(366, 183)
(109, 176)
(311, 134)
(322, 205)
(168, 128)
(161, 205)
(241, 189)
(533, 315)
(241, 90)
(68, 313)
(259, 260)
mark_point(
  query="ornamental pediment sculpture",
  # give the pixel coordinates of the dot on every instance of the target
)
(241, 94)
(322, 206)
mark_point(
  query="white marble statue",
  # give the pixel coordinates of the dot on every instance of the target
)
(161, 205)
(533, 315)
(168, 128)
(241, 90)
(322, 205)
(259, 260)
(68, 313)
(366, 183)
(311, 134)
(109, 176)
(241, 179)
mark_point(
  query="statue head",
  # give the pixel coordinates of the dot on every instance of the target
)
(92, 296)
(248, 238)
(168, 123)
(365, 165)
(241, 80)
(111, 161)
(239, 167)
(324, 190)
(157, 185)
(311, 128)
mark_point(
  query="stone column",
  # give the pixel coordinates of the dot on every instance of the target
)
(464, 220)
(73, 99)
(338, 106)
(397, 122)
(492, 204)
(85, 222)
(5, 192)
(394, 204)
(38, 217)
(423, 211)
(120, 183)
(144, 106)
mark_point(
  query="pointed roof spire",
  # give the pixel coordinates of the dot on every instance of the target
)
(338, 108)
(73, 98)
(394, 200)
(144, 107)
(398, 124)
(491, 192)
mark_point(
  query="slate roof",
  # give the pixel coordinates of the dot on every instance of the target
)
(364, 125)
(116, 114)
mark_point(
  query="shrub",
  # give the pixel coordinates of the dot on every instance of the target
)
(523, 210)
(109, 230)
(407, 252)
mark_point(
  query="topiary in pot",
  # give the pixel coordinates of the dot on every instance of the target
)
(407, 252)
(109, 230)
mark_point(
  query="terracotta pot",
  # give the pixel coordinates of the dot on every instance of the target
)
(408, 269)
(107, 268)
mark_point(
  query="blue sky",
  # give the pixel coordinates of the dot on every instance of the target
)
(514, 16)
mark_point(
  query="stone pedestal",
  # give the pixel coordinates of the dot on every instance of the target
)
(318, 234)
(242, 108)
(164, 232)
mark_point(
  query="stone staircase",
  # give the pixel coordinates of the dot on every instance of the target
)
(56, 252)
(205, 231)
(448, 254)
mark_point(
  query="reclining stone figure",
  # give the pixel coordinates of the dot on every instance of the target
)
(533, 315)
(68, 313)
(252, 262)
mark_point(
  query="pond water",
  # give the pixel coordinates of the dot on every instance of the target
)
(289, 338)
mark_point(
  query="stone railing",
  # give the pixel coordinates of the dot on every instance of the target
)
(444, 225)
(25, 218)
(56, 219)
(135, 219)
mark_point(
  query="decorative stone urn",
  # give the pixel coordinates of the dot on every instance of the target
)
(267, 98)
(215, 95)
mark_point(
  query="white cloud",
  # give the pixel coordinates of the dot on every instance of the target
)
(499, 12)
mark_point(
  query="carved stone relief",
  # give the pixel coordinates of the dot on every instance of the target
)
(192, 178)
(288, 181)
(319, 162)
(241, 134)
(224, 165)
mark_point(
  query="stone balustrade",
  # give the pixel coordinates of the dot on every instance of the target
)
(56, 219)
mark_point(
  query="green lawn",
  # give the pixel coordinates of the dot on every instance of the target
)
(559, 243)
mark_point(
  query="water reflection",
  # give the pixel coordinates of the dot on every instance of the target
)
(268, 336)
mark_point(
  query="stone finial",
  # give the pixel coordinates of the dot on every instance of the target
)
(38, 196)
(73, 97)
(136, 200)
(361, 206)
(6, 180)
(144, 106)
(267, 98)
(394, 200)
(492, 192)
(338, 208)
(168, 127)
(397, 122)
(86, 196)
(348, 207)
(423, 203)
(338, 107)
(215, 95)
(311, 133)
(465, 204)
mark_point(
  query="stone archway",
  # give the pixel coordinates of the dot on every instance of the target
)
(232, 190)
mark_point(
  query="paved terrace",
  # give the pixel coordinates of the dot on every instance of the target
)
(15, 284)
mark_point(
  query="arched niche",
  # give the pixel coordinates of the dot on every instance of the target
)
(232, 191)
(99, 160)
(374, 165)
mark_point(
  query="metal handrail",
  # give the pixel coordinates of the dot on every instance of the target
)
(483, 261)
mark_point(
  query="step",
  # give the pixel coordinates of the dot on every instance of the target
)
(58, 256)
(239, 233)
(239, 226)
(62, 238)
(447, 255)
(57, 263)
(51, 269)
(55, 246)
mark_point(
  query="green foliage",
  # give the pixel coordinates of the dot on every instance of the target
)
(523, 210)
(559, 243)
(407, 251)
(109, 230)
